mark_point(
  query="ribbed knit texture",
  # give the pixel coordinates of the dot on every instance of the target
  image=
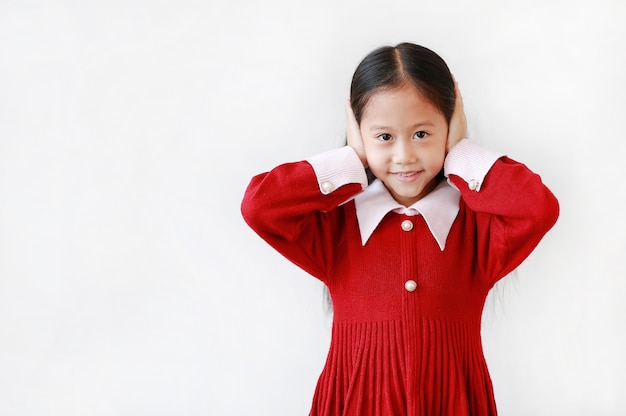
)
(395, 351)
(333, 166)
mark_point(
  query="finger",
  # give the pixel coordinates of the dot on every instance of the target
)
(459, 111)
(457, 92)
(458, 123)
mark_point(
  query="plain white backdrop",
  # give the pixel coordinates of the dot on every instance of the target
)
(129, 284)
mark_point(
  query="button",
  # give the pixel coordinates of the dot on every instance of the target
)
(472, 185)
(410, 285)
(327, 187)
(407, 225)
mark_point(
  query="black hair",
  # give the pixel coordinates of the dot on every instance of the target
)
(391, 67)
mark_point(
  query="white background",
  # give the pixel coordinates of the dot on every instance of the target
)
(129, 284)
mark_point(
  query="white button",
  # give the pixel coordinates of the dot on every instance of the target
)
(472, 185)
(407, 225)
(327, 187)
(410, 285)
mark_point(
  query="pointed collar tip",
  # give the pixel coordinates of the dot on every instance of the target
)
(439, 209)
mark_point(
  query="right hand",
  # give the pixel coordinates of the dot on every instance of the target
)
(353, 133)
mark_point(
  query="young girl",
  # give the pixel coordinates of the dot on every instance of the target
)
(409, 256)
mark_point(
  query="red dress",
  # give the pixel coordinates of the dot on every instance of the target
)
(407, 314)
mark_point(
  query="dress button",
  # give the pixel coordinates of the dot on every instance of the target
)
(327, 187)
(472, 184)
(407, 225)
(410, 285)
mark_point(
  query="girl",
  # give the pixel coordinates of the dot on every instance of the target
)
(409, 256)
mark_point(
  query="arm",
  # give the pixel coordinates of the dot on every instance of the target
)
(513, 209)
(292, 207)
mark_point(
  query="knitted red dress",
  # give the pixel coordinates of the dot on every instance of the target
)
(407, 313)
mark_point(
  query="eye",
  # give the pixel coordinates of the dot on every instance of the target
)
(420, 135)
(385, 137)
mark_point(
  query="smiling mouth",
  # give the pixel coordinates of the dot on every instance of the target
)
(405, 174)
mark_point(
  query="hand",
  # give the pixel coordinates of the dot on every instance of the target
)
(353, 133)
(458, 123)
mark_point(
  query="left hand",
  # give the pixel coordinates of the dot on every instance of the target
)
(458, 123)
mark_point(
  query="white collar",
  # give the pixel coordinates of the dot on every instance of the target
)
(439, 209)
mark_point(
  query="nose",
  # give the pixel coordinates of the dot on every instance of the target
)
(404, 152)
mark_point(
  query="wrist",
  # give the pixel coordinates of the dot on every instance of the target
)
(450, 145)
(361, 154)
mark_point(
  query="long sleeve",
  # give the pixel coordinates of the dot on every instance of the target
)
(292, 206)
(513, 208)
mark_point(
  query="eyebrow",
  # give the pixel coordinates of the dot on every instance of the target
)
(414, 126)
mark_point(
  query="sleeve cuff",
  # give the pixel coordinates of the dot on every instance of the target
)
(471, 162)
(338, 167)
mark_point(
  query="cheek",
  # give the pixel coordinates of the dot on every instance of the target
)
(436, 157)
(373, 155)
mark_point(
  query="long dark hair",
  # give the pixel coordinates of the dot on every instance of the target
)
(390, 67)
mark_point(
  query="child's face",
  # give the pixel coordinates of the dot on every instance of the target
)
(404, 137)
